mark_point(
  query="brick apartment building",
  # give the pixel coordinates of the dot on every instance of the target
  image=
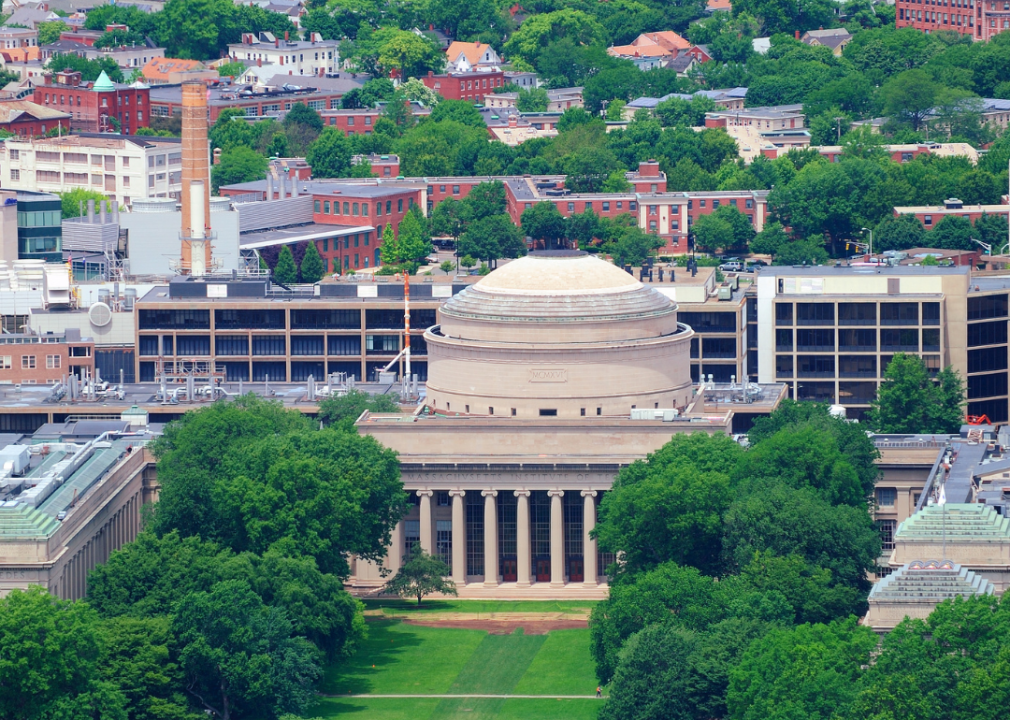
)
(101, 106)
(27, 359)
(979, 19)
(472, 86)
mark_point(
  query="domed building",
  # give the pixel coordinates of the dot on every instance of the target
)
(558, 334)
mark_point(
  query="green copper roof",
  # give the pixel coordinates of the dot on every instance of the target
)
(966, 522)
(930, 581)
(25, 522)
(103, 83)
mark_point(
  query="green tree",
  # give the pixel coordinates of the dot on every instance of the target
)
(447, 219)
(532, 100)
(669, 506)
(90, 70)
(50, 654)
(492, 237)
(73, 200)
(231, 130)
(545, 224)
(139, 661)
(238, 164)
(276, 483)
(633, 246)
(238, 655)
(910, 97)
(898, 233)
(416, 91)
(910, 401)
(330, 154)
(230, 69)
(952, 233)
(485, 199)
(540, 30)
(802, 252)
(465, 19)
(712, 233)
(421, 574)
(409, 54)
(810, 671)
(410, 244)
(311, 269)
(769, 240)
(655, 679)
(118, 38)
(285, 271)
(447, 266)
(343, 410)
(459, 111)
(49, 32)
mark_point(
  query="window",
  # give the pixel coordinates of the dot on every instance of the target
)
(5, 362)
(15, 174)
(455, 191)
(886, 497)
(378, 208)
(52, 362)
(886, 529)
(27, 362)
(399, 203)
(316, 206)
(606, 206)
(354, 208)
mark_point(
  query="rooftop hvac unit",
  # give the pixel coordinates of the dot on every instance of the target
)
(100, 314)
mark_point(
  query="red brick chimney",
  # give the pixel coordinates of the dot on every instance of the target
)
(797, 34)
(286, 38)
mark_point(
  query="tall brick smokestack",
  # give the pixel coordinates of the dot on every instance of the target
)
(195, 168)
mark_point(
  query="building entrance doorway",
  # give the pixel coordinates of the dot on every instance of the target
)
(575, 569)
(543, 568)
(508, 569)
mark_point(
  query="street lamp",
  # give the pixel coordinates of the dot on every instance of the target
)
(871, 240)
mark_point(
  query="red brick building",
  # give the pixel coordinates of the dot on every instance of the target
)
(980, 19)
(352, 122)
(101, 106)
(359, 205)
(27, 119)
(45, 359)
(472, 86)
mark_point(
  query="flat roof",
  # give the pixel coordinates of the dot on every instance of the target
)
(296, 234)
(861, 270)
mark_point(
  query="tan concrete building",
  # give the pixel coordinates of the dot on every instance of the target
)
(544, 380)
(561, 334)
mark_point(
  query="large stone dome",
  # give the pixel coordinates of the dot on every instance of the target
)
(557, 333)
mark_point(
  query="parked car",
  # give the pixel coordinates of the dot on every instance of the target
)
(731, 266)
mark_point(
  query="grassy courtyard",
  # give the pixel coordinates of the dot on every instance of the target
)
(398, 659)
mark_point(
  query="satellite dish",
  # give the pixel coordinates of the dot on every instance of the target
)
(100, 314)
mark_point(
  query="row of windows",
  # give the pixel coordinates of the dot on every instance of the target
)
(823, 313)
(716, 202)
(270, 319)
(942, 18)
(355, 209)
(823, 340)
(787, 366)
(273, 345)
(28, 362)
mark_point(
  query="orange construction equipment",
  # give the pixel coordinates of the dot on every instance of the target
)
(978, 420)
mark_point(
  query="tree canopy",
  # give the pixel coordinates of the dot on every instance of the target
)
(909, 400)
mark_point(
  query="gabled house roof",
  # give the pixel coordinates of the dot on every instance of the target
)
(828, 38)
(655, 44)
(14, 110)
(471, 50)
(159, 69)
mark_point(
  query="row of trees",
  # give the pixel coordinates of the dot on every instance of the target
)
(743, 570)
(231, 598)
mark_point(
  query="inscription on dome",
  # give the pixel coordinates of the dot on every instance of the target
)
(547, 375)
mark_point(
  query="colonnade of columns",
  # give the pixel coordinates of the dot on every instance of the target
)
(492, 571)
(120, 529)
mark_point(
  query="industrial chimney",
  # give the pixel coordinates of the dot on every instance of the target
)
(195, 180)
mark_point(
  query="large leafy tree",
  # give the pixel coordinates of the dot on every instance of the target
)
(343, 410)
(669, 506)
(239, 655)
(633, 246)
(910, 401)
(539, 30)
(545, 224)
(238, 164)
(491, 238)
(330, 154)
(252, 476)
(50, 655)
(810, 671)
(89, 69)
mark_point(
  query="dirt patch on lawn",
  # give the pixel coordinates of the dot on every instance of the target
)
(504, 626)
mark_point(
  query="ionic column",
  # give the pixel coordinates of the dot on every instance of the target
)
(557, 538)
(490, 538)
(426, 543)
(523, 538)
(458, 537)
(394, 555)
(588, 542)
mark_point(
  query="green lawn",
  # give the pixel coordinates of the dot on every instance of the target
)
(404, 607)
(425, 660)
(563, 666)
(407, 659)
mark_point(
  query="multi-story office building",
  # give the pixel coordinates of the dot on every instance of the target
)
(978, 19)
(830, 332)
(120, 167)
(256, 332)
